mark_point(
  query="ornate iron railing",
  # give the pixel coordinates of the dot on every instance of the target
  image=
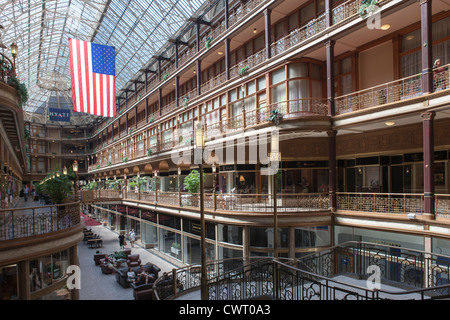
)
(6, 68)
(397, 203)
(390, 92)
(26, 222)
(327, 275)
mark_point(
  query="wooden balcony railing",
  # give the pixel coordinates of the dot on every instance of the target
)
(26, 222)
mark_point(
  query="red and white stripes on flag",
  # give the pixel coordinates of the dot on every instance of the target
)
(92, 70)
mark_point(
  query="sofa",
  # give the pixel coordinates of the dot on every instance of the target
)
(147, 291)
(151, 269)
(133, 260)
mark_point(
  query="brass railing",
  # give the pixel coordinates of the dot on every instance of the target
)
(26, 222)
(390, 92)
(402, 274)
(396, 203)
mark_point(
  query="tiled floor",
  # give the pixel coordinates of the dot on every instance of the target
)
(94, 284)
(98, 286)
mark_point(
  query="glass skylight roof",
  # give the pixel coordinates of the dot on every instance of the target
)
(137, 29)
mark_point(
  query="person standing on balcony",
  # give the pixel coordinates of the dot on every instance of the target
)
(26, 190)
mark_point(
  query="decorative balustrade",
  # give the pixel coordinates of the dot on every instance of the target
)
(441, 78)
(394, 203)
(6, 68)
(442, 206)
(323, 276)
(213, 82)
(27, 222)
(250, 62)
(345, 11)
(290, 109)
(299, 35)
(390, 92)
(405, 274)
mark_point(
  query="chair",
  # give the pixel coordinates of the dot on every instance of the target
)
(133, 260)
(105, 267)
(97, 258)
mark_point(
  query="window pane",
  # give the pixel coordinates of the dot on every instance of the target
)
(298, 70)
(278, 76)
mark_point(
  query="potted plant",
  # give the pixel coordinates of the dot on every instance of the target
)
(275, 116)
(208, 42)
(57, 186)
(185, 102)
(192, 181)
(149, 152)
(244, 71)
(125, 159)
(175, 248)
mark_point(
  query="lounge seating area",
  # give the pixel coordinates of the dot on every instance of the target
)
(120, 263)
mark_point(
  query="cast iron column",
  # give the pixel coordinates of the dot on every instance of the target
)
(427, 72)
(268, 32)
(428, 165)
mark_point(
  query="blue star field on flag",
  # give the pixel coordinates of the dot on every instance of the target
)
(103, 59)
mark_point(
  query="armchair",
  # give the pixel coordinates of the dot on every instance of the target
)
(133, 260)
(98, 257)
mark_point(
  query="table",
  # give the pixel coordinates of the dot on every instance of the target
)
(95, 243)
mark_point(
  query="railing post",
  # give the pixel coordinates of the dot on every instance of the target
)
(174, 277)
(34, 224)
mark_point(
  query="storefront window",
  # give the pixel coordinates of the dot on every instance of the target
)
(229, 234)
(149, 234)
(309, 237)
(47, 269)
(344, 234)
(263, 237)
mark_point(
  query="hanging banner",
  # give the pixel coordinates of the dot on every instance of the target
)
(59, 114)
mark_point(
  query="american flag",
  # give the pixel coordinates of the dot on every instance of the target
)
(92, 69)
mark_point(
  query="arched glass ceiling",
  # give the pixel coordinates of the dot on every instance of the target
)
(137, 29)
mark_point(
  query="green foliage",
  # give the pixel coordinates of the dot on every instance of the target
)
(208, 43)
(93, 185)
(118, 255)
(244, 70)
(367, 7)
(192, 181)
(21, 89)
(185, 102)
(125, 159)
(57, 188)
(275, 116)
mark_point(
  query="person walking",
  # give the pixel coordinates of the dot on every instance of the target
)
(122, 242)
(26, 190)
(132, 237)
(33, 192)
